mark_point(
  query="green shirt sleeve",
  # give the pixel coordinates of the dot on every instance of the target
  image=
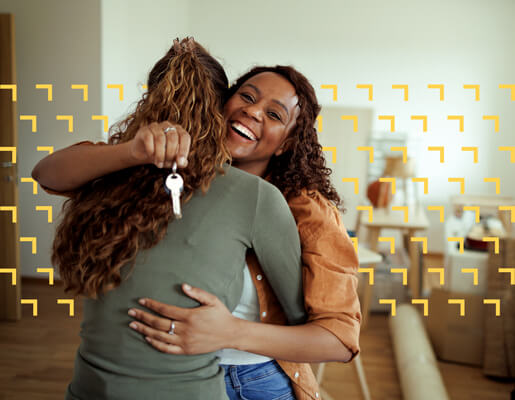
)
(276, 242)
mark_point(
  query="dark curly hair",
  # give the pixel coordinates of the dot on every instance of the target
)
(302, 165)
(109, 220)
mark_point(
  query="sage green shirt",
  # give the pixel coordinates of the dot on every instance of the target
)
(206, 248)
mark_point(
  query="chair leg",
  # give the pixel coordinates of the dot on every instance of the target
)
(358, 365)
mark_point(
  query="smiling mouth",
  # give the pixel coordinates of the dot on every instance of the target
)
(243, 131)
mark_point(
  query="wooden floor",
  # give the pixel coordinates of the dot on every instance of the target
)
(37, 356)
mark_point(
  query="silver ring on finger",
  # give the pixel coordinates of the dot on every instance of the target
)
(169, 129)
(172, 329)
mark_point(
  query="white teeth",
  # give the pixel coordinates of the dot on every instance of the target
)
(243, 129)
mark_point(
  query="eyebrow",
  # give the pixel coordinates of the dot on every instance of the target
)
(275, 101)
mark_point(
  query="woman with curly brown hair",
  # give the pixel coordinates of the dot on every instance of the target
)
(263, 140)
(118, 239)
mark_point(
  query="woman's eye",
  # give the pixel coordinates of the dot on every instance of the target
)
(246, 97)
(274, 115)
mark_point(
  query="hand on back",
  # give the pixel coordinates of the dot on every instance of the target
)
(152, 145)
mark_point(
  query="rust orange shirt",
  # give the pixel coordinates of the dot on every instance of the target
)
(330, 266)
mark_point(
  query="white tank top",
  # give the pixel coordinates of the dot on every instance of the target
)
(248, 308)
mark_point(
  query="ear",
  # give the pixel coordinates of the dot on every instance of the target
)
(285, 146)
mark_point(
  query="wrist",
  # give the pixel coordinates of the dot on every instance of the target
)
(126, 155)
(240, 333)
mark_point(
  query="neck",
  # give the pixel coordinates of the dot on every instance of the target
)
(255, 168)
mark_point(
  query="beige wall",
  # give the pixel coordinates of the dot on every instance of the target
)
(57, 42)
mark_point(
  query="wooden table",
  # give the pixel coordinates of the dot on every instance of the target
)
(387, 219)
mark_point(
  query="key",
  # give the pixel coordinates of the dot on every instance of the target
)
(174, 185)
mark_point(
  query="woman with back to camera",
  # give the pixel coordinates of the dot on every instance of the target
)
(118, 240)
(290, 156)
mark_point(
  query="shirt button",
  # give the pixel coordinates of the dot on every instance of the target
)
(316, 395)
(259, 277)
(263, 314)
(296, 375)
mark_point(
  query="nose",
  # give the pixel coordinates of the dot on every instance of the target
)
(254, 111)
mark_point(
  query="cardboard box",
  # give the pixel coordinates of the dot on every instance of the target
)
(456, 338)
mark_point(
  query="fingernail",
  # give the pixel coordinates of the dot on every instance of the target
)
(141, 301)
(182, 161)
(187, 287)
(148, 339)
(132, 313)
(133, 325)
(160, 165)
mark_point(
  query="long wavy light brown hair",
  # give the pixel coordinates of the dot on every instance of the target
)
(109, 220)
(302, 165)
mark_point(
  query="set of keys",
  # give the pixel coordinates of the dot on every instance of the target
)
(174, 185)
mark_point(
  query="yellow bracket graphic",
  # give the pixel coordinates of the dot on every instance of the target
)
(334, 88)
(12, 150)
(391, 180)
(32, 118)
(355, 181)
(403, 87)
(461, 181)
(494, 239)
(84, 89)
(13, 210)
(14, 91)
(474, 272)
(405, 209)
(461, 302)
(119, 87)
(511, 149)
(48, 209)
(425, 302)
(438, 208)
(370, 150)
(475, 87)
(34, 242)
(50, 149)
(474, 149)
(34, 303)
(440, 271)
(104, 118)
(49, 89)
(497, 303)
(422, 239)
(144, 87)
(403, 271)
(457, 239)
(422, 118)
(495, 118)
(49, 271)
(68, 118)
(320, 125)
(497, 182)
(354, 241)
(424, 180)
(510, 271)
(476, 210)
(390, 118)
(353, 118)
(460, 118)
(333, 151)
(512, 89)
(404, 150)
(369, 271)
(11, 271)
(370, 210)
(392, 302)
(440, 87)
(370, 88)
(34, 184)
(71, 304)
(388, 239)
(440, 149)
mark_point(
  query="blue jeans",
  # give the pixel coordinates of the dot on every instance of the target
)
(265, 381)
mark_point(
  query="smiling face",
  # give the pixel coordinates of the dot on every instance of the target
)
(260, 115)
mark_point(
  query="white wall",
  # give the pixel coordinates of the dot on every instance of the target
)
(384, 43)
(57, 42)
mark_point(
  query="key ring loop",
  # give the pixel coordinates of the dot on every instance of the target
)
(174, 168)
